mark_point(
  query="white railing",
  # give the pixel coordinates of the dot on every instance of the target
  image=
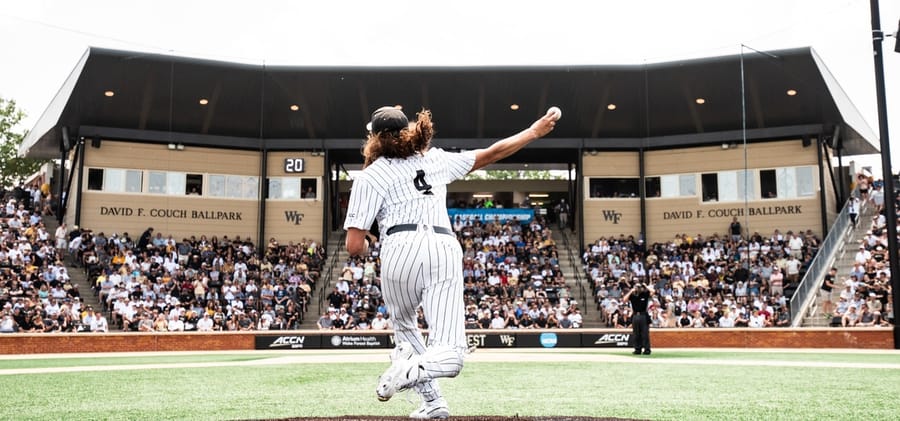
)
(823, 261)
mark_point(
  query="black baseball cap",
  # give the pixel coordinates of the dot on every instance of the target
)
(387, 119)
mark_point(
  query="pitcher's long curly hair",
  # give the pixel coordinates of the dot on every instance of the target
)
(402, 143)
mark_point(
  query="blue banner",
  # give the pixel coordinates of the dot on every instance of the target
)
(524, 216)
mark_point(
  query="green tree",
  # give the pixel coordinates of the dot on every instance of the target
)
(512, 175)
(13, 168)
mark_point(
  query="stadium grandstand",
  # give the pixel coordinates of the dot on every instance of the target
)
(205, 195)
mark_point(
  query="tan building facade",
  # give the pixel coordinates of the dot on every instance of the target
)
(130, 186)
(699, 190)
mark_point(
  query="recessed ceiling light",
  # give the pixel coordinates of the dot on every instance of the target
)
(204, 101)
(295, 107)
(109, 93)
(611, 107)
(514, 107)
(791, 92)
(700, 100)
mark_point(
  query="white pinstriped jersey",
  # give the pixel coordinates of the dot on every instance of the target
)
(406, 191)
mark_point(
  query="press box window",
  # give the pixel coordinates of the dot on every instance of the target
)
(727, 186)
(679, 185)
(652, 187)
(95, 179)
(710, 184)
(241, 187)
(787, 182)
(308, 187)
(768, 185)
(292, 188)
(614, 187)
(114, 180)
(194, 185)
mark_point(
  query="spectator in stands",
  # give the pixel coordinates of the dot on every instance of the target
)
(866, 317)
(776, 281)
(205, 324)
(757, 320)
(850, 318)
(380, 322)
(782, 317)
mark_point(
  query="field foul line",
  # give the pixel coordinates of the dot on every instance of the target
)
(481, 356)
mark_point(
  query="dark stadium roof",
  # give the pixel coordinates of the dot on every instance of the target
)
(156, 99)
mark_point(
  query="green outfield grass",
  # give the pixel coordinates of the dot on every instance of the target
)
(108, 361)
(678, 391)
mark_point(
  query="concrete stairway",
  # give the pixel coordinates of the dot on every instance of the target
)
(573, 270)
(843, 261)
(78, 277)
(330, 274)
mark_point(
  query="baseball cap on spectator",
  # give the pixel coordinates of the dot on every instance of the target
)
(387, 119)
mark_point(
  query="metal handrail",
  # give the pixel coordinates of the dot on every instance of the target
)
(328, 275)
(821, 263)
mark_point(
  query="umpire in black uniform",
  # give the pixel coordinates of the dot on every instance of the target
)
(639, 297)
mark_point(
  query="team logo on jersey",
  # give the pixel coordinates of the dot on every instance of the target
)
(421, 184)
(293, 216)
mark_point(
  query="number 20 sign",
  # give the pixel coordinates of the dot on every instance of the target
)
(293, 165)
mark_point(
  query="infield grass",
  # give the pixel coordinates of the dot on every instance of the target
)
(663, 387)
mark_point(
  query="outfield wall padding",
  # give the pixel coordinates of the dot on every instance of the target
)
(854, 338)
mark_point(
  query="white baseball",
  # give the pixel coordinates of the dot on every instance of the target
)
(555, 111)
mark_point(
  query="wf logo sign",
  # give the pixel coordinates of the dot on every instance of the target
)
(293, 216)
(611, 215)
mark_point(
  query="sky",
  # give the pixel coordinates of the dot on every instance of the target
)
(43, 40)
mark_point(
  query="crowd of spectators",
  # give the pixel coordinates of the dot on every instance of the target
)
(511, 271)
(36, 292)
(712, 281)
(203, 284)
(864, 295)
(511, 274)
(153, 284)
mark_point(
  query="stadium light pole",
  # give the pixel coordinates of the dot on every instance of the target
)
(887, 174)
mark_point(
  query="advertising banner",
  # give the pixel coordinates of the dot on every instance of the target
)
(524, 216)
(489, 340)
(356, 341)
(288, 341)
(606, 340)
(548, 340)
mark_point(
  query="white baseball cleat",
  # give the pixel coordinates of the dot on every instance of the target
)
(403, 351)
(402, 374)
(434, 410)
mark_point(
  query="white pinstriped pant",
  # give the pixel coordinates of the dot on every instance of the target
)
(424, 267)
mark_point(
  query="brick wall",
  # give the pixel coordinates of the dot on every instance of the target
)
(123, 342)
(868, 338)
